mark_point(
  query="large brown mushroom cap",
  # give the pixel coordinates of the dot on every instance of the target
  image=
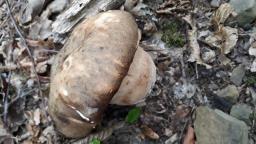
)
(139, 80)
(89, 70)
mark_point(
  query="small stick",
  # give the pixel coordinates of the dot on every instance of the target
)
(6, 93)
(26, 46)
(20, 96)
(197, 76)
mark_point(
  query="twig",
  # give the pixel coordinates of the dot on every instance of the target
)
(26, 46)
(9, 68)
(24, 136)
(20, 96)
(183, 131)
(196, 68)
(17, 98)
(183, 67)
(6, 93)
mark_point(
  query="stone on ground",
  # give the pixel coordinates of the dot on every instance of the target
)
(246, 10)
(217, 127)
(230, 93)
(241, 112)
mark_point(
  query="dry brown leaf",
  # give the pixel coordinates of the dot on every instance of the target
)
(214, 40)
(149, 133)
(222, 13)
(230, 35)
(182, 111)
(4, 135)
(225, 39)
(190, 136)
(27, 142)
(193, 43)
(42, 67)
(41, 44)
(37, 116)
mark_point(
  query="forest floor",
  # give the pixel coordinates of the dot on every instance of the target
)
(204, 58)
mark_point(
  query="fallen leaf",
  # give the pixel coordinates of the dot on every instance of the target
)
(181, 111)
(149, 133)
(190, 136)
(33, 8)
(222, 13)
(214, 40)
(193, 43)
(37, 116)
(41, 28)
(3, 132)
(225, 39)
(230, 35)
(27, 142)
(253, 66)
(252, 51)
(133, 115)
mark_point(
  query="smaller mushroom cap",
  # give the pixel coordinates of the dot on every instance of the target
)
(138, 82)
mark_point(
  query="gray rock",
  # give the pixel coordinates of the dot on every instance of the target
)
(230, 93)
(215, 3)
(246, 10)
(238, 74)
(241, 112)
(216, 127)
(58, 5)
(34, 7)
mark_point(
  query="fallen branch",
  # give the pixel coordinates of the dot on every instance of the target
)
(81, 9)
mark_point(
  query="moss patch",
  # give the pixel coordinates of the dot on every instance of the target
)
(172, 34)
(251, 79)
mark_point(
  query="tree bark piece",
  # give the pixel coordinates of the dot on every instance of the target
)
(82, 9)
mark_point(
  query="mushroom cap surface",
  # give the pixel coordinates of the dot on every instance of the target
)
(89, 69)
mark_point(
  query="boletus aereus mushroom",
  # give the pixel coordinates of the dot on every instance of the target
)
(99, 64)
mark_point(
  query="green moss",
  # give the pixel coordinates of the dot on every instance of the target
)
(172, 34)
(251, 79)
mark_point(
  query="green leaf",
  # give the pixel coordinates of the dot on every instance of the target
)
(95, 141)
(133, 115)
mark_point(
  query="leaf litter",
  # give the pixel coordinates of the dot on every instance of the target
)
(212, 44)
